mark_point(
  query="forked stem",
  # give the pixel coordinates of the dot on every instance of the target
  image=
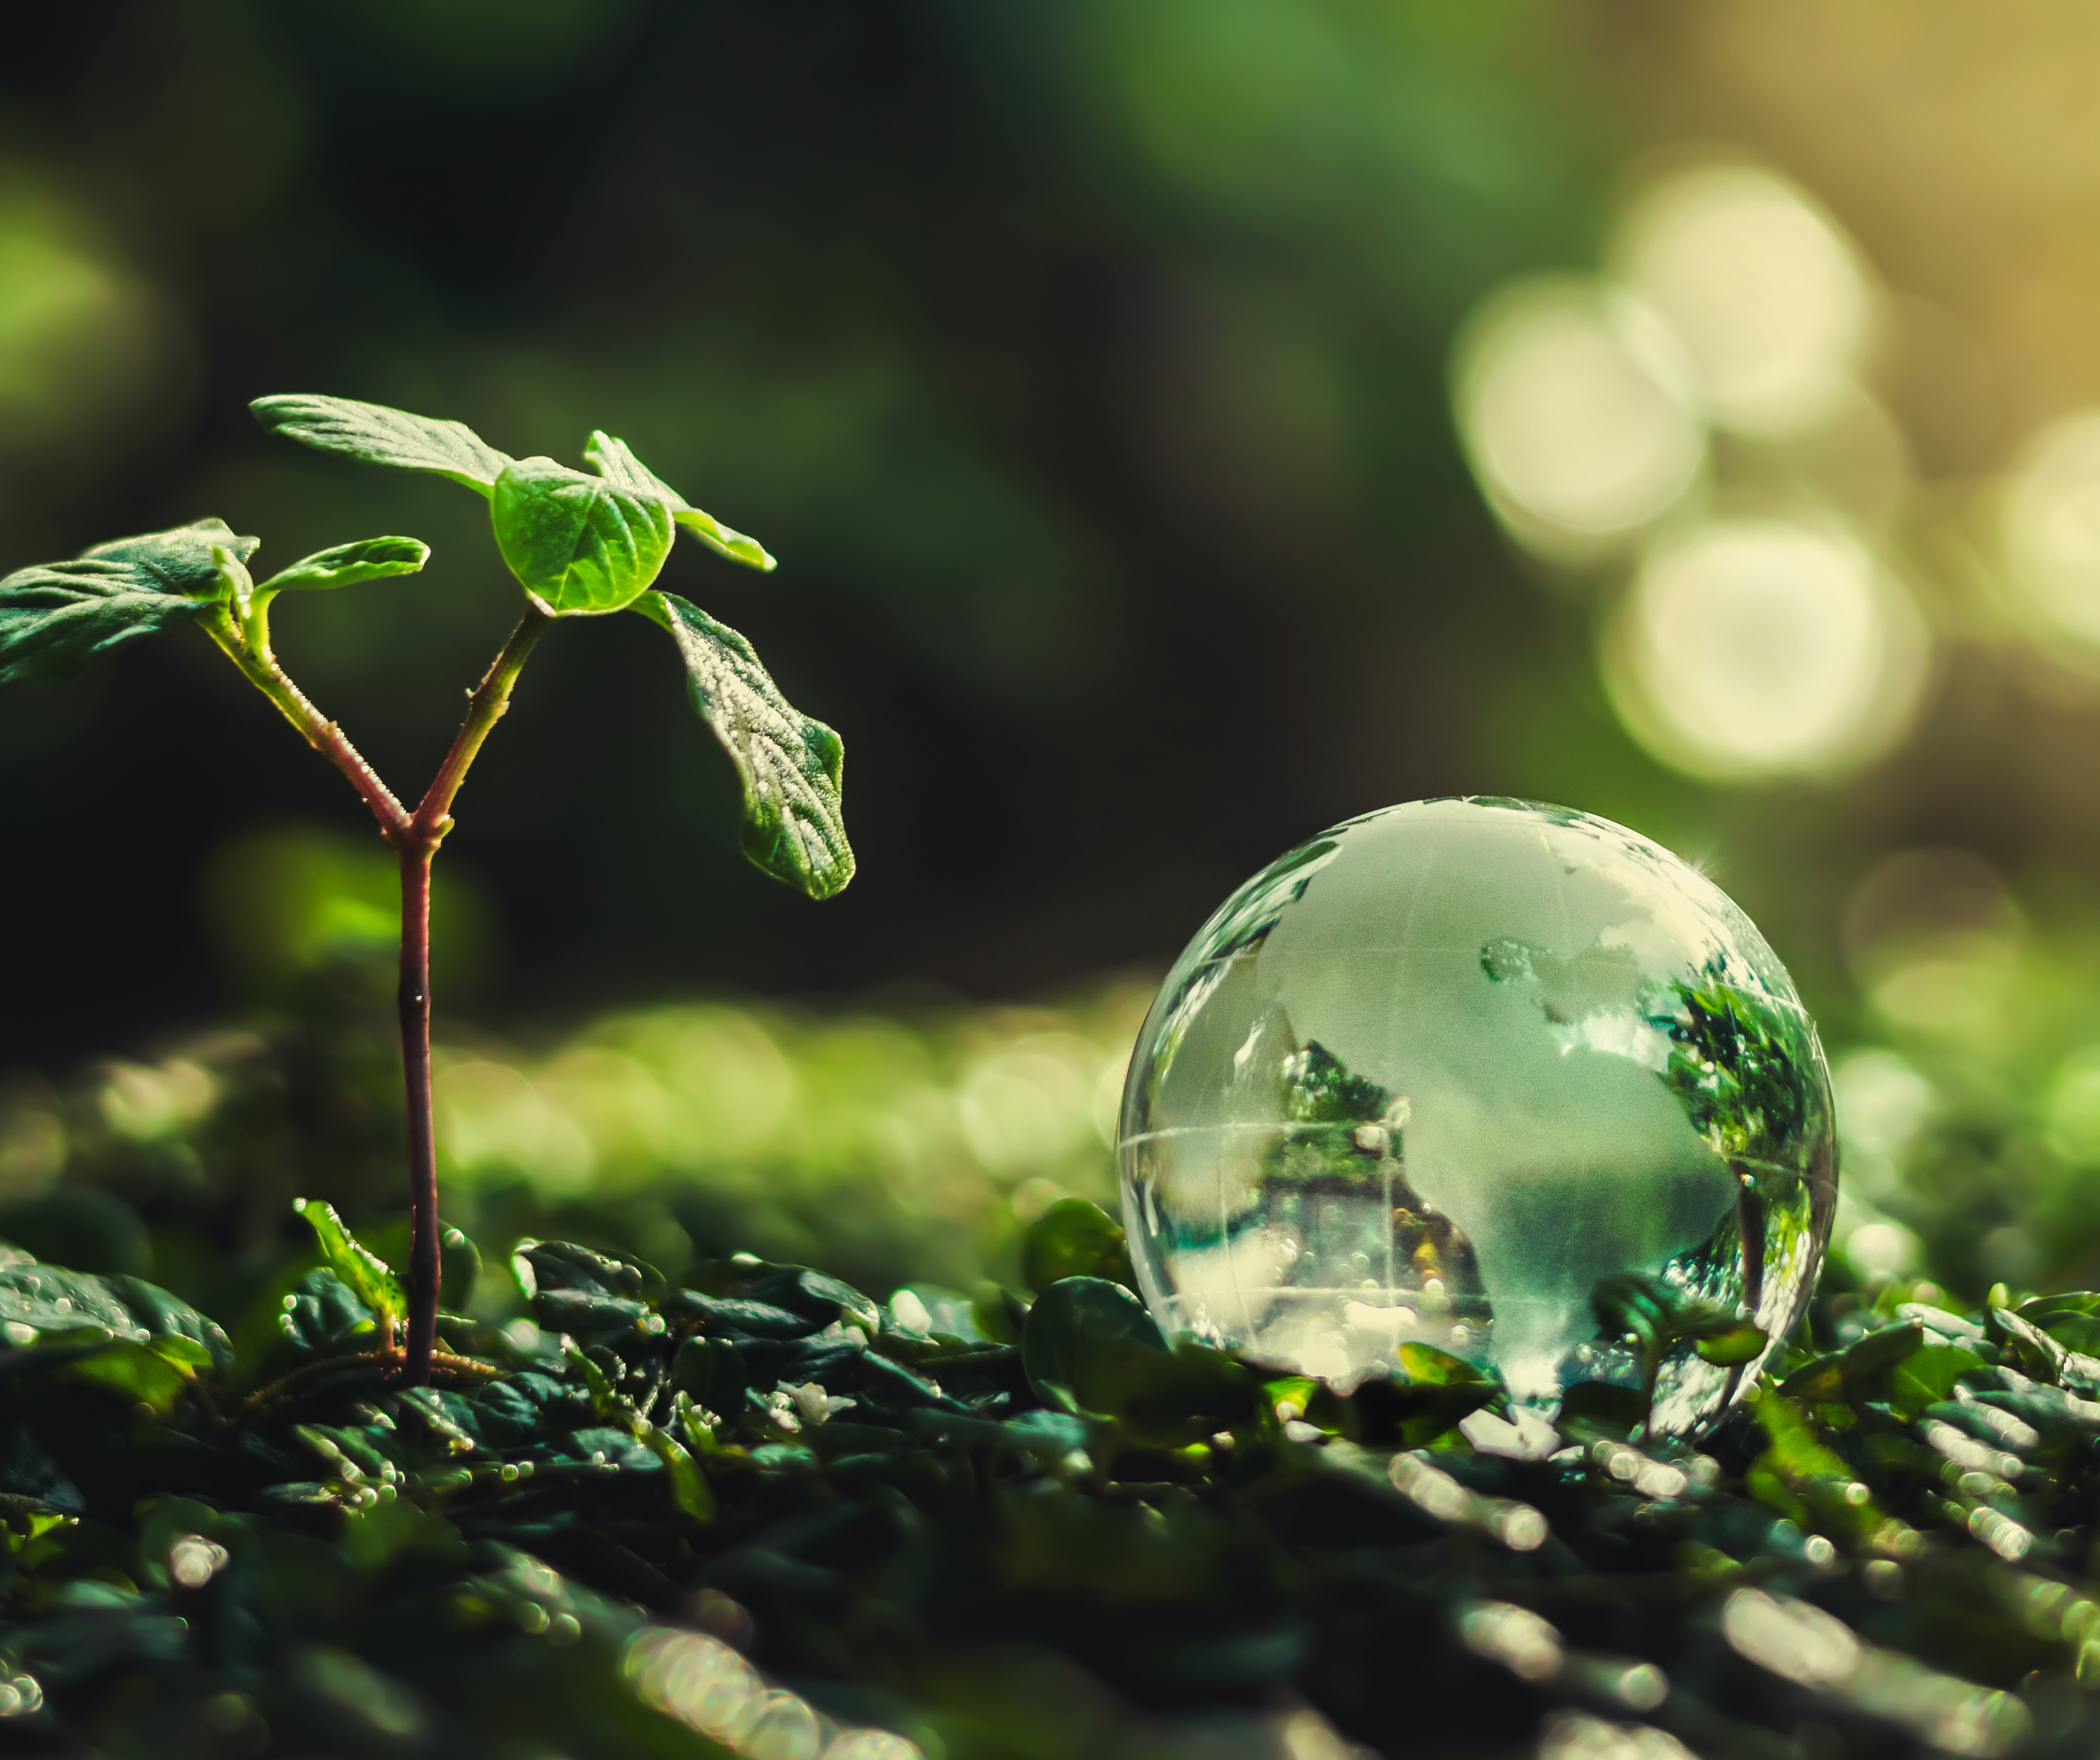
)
(415, 838)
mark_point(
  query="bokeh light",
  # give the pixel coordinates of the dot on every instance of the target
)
(83, 337)
(1766, 297)
(1934, 940)
(2052, 526)
(1573, 410)
(1766, 648)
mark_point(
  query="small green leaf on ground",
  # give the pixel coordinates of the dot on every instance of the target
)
(1739, 1344)
(1075, 1238)
(377, 435)
(791, 767)
(1427, 1366)
(1094, 1340)
(364, 1271)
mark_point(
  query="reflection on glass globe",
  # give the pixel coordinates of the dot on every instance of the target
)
(1465, 1075)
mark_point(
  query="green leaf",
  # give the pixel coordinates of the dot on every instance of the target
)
(790, 766)
(367, 1274)
(459, 1261)
(711, 1370)
(614, 461)
(37, 1301)
(1093, 1339)
(321, 1313)
(1428, 1366)
(137, 1372)
(578, 545)
(1739, 1344)
(690, 1489)
(367, 559)
(56, 617)
(379, 435)
(1075, 1238)
(572, 1289)
(183, 561)
(1929, 1375)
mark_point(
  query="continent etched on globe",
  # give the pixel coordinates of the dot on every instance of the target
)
(1460, 1075)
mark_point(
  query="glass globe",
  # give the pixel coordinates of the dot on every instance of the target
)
(1475, 1074)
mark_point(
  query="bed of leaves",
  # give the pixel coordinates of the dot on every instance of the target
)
(760, 1512)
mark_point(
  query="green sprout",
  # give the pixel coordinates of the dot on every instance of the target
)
(581, 543)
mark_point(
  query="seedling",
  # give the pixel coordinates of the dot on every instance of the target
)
(581, 543)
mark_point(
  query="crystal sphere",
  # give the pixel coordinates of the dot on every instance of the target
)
(1463, 1073)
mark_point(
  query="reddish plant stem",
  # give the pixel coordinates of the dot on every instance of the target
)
(426, 1270)
(415, 839)
(259, 666)
(418, 848)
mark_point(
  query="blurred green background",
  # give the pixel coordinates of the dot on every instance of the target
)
(1182, 426)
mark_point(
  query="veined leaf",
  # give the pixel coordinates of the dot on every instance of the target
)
(578, 544)
(378, 435)
(58, 616)
(182, 560)
(342, 565)
(615, 461)
(366, 1273)
(790, 766)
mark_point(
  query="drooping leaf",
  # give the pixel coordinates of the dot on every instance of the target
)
(342, 565)
(56, 617)
(1075, 1238)
(378, 435)
(366, 1273)
(614, 460)
(579, 545)
(790, 766)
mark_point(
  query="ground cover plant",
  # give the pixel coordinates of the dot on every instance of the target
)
(759, 1510)
(580, 544)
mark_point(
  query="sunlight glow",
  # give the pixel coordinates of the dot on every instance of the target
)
(2052, 525)
(1766, 297)
(1572, 408)
(1766, 649)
